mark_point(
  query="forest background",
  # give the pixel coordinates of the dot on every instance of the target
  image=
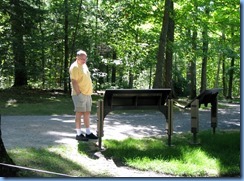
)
(187, 45)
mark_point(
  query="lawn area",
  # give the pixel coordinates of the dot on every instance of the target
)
(217, 156)
(26, 101)
(56, 161)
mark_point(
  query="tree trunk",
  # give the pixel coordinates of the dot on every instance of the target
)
(73, 41)
(17, 27)
(193, 93)
(223, 68)
(150, 77)
(169, 49)
(216, 84)
(224, 78)
(231, 72)
(43, 58)
(204, 60)
(221, 57)
(160, 72)
(113, 78)
(66, 46)
(205, 54)
(5, 171)
(131, 79)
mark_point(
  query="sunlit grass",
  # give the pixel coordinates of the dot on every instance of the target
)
(191, 163)
(217, 155)
(63, 160)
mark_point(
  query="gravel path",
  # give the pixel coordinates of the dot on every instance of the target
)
(43, 131)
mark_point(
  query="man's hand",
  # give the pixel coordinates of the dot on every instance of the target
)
(75, 86)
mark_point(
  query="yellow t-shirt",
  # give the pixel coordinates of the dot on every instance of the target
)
(81, 74)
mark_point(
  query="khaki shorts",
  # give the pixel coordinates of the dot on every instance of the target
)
(82, 103)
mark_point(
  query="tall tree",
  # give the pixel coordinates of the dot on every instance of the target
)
(17, 27)
(194, 55)
(204, 53)
(232, 64)
(193, 66)
(66, 45)
(220, 59)
(160, 72)
(169, 49)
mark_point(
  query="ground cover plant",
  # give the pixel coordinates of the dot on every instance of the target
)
(54, 161)
(28, 101)
(217, 156)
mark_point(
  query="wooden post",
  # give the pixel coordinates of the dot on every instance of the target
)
(100, 120)
(195, 120)
(214, 110)
(169, 120)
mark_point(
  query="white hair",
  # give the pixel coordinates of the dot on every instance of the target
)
(81, 52)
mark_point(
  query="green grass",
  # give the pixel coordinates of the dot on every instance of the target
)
(218, 155)
(59, 159)
(25, 101)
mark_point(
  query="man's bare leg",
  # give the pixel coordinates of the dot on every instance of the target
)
(86, 119)
(78, 120)
(87, 125)
(79, 135)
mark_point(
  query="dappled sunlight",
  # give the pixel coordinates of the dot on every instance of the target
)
(63, 137)
(62, 120)
(232, 105)
(50, 162)
(68, 121)
(11, 103)
(55, 133)
(235, 123)
(216, 156)
(68, 141)
(200, 158)
(41, 131)
(59, 129)
(153, 123)
(133, 125)
(229, 111)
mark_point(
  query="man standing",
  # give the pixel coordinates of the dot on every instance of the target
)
(81, 86)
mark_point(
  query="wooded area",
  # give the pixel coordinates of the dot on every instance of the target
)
(188, 45)
(185, 45)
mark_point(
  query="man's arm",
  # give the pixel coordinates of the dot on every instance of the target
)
(75, 86)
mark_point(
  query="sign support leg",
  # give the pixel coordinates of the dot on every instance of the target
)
(169, 120)
(195, 120)
(100, 120)
(214, 110)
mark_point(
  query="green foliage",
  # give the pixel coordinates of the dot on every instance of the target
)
(217, 155)
(126, 35)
